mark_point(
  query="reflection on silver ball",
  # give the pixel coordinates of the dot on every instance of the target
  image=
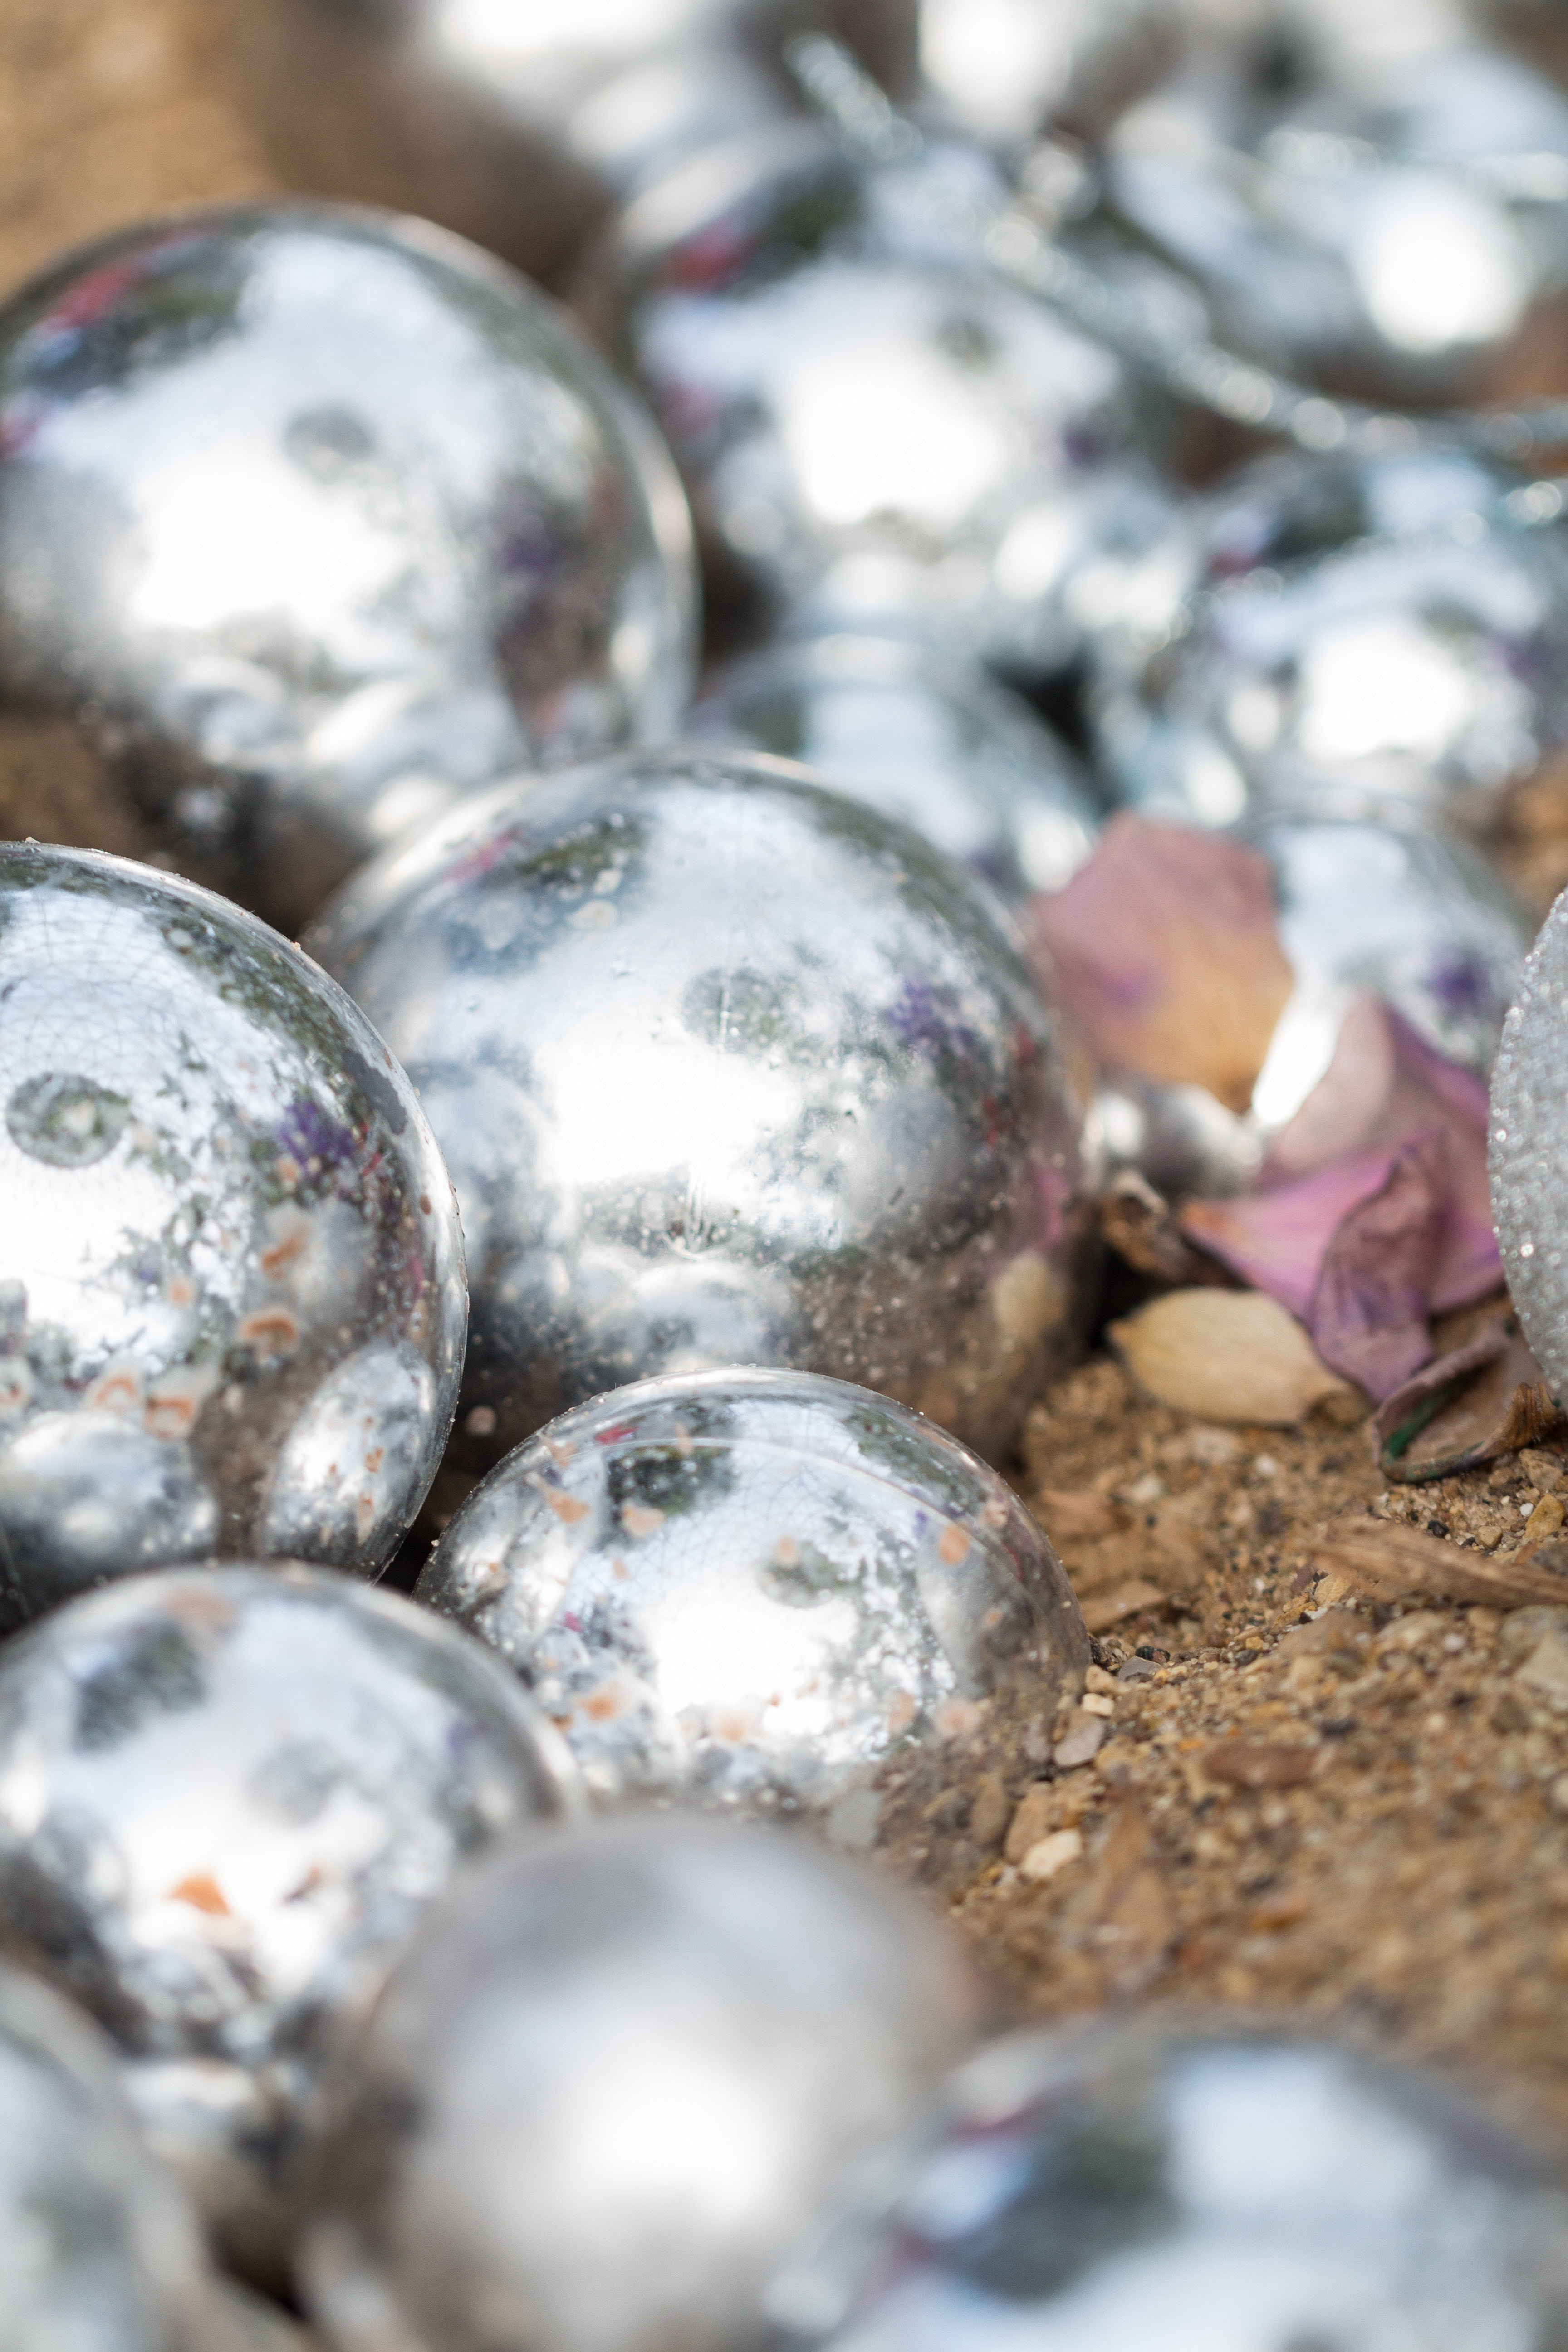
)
(1345, 634)
(750, 1589)
(1215, 2191)
(727, 1070)
(1529, 1155)
(98, 2248)
(871, 431)
(1003, 69)
(231, 1277)
(225, 1795)
(519, 124)
(637, 2087)
(316, 517)
(929, 740)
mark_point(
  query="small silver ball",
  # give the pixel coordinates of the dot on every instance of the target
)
(316, 517)
(97, 2247)
(635, 2086)
(1528, 1150)
(929, 740)
(751, 1589)
(872, 432)
(1215, 2191)
(727, 1070)
(232, 1303)
(226, 1796)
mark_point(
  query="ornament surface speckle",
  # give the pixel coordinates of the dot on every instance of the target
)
(639, 2086)
(1529, 1154)
(232, 1303)
(727, 1070)
(316, 517)
(750, 1589)
(225, 1797)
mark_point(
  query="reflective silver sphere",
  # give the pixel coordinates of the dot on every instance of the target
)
(872, 430)
(727, 1070)
(1343, 636)
(1003, 69)
(750, 1589)
(1217, 2191)
(520, 122)
(98, 2248)
(926, 739)
(232, 1303)
(316, 517)
(637, 2087)
(226, 1796)
(1529, 1157)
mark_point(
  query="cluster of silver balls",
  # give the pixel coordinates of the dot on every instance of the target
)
(664, 1133)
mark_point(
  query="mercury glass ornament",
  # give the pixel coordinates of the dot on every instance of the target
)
(727, 1070)
(872, 430)
(1345, 634)
(634, 2087)
(751, 1589)
(232, 1303)
(1003, 71)
(98, 2248)
(314, 519)
(925, 738)
(520, 123)
(1529, 1138)
(226, 1796)
(1216, 2190)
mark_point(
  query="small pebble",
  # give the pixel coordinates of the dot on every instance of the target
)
(988, 1814)
(1082, 1745)
(1052, 1853)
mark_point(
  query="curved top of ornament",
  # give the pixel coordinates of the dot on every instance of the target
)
(1528, 1158)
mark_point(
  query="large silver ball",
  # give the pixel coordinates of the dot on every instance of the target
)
(1529, 1154)
(520, 124)
(1214, 2191)
(98, 2248)
(1346, 635)
(232, 1303)
(751, 1589)
(225, 1797)
(728, 1069)
(929, 740)
(1002, 70)
(871, 429)
(635, 2086)
(316, 517)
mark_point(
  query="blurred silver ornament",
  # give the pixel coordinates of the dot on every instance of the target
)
(872, 430)
(97, 2247)
(1216, 2190)
(727, 1070)
(634, 2087)
(927, 739)
(519, 125)
(316, 517)
(232, 1303)
(750, 1589)
(1346, 635)
(226, 1796)
(1003, 70)
(1530, 1149)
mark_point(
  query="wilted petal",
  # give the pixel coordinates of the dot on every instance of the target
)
(1480, 1400)
(1369, 1312)
(1278, 1240)
(1164, 948)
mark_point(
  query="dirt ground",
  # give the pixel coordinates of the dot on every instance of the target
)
(1358, 1817)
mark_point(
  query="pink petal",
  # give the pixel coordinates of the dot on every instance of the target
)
(1278, 1240)
(1368, 1317)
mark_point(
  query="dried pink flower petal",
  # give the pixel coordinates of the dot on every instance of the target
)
(1369, 1312)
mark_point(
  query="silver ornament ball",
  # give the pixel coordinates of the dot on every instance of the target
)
(727, 1070)
(1530, 1149)
(314, 518)
(751, 1590)
(1214, 2189)
(225, 1797)
(927, 739)
(635, 2086)
(232, 1303)
(97, 2247)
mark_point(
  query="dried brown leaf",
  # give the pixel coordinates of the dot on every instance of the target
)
(1385, 1562)
(1072, 1514)
(1244, 1764)
(1134, 1918)
(1141, 1228)
(1482, 1399)
(1108, 1608)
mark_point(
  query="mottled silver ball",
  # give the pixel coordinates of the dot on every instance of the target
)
(1344, 635)
(232, 1303)
(750, 1591)
(1214, 2191)
(518, 123)
(225, 1797)
(99, 2251)
(927, 739)
(871, 429)
(727, 1070)
(1530, 1149)
(1003, 71)
(635, 2086)
(315, 518)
